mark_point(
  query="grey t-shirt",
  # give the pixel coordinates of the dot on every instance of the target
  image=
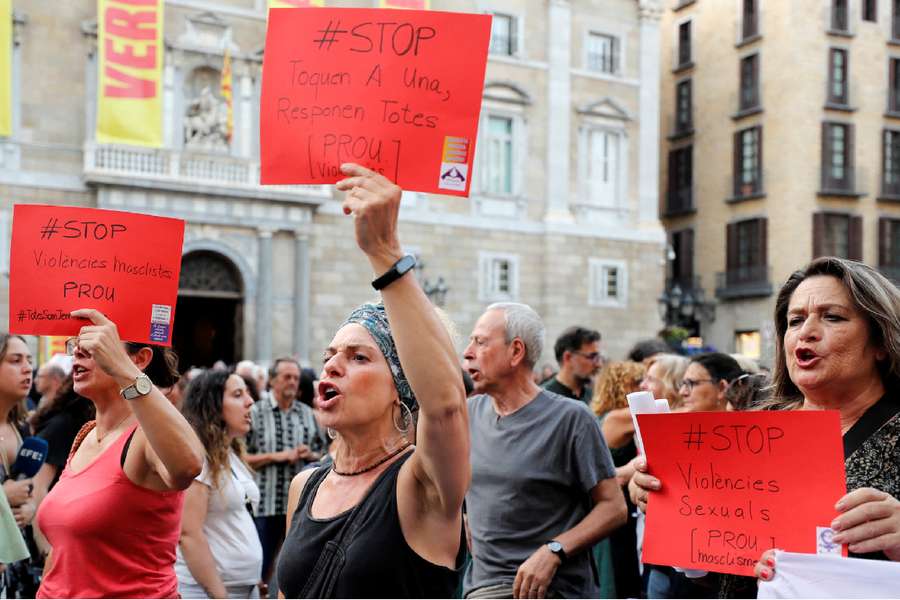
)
(532, 473)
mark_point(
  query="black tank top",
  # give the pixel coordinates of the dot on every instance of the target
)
(360, 553)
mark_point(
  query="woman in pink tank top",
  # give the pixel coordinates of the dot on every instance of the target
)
(114, 517)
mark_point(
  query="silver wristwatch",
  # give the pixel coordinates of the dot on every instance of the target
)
(141, 387)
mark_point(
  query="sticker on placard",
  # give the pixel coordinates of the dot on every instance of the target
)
(454, 164)
(825, 543)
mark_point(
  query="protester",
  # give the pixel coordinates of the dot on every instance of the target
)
(15, 382)
(543, 488)
(384, 520)
(48, 382)
(837, 347)
(618, 553)
(663, 378)
(125, 474)
(748, 392)
(284, 438)
(644, 350)
(220, 555)
(577, 351)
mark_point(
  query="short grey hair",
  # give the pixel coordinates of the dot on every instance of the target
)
(524, 323)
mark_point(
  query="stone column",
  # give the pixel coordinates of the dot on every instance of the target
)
(301, 296)
(648, 161)
(244, 117)
(559, 109)
(264, 303)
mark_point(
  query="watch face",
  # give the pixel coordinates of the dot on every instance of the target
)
(406, 263)
(143, 385)
(554, 546)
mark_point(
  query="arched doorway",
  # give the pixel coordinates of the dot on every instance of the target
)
(209, 314)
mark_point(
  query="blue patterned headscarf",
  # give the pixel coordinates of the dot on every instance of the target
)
(374, 318)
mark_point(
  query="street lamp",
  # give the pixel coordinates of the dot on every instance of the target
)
(436, 291)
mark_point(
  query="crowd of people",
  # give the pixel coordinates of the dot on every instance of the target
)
(400, 470)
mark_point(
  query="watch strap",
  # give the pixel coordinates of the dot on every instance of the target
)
(400, 268)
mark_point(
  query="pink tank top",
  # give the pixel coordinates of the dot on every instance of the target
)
(111, 538)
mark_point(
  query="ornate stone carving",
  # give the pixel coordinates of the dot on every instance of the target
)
(206, 123)
(650, 9)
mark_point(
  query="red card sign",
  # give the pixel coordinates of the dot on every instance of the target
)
(398, 92)
(123, 264)
(735, 484)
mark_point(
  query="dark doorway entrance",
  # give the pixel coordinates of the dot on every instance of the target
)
(209, 313)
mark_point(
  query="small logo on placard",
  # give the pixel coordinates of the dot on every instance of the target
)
(160, 317)
(161, 313)
(825, 543)
(455, 164)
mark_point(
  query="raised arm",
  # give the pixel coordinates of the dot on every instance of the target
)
(441, 461)
(172, 450)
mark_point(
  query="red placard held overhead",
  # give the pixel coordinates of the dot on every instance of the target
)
(735, 484)
(123, 264)
(396, 91)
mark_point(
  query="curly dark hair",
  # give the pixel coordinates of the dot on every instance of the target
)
(202, 408)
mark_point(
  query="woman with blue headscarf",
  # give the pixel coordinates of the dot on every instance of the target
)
(384, 520)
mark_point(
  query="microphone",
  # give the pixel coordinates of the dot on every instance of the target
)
(31, 457)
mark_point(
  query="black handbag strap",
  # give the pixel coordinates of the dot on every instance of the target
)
(871, 421)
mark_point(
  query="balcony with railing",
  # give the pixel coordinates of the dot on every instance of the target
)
(181, 170)
(679, 201)
(744, 282)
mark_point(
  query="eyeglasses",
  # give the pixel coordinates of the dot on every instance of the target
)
(591, 356)
(71, 346)
(690, 384)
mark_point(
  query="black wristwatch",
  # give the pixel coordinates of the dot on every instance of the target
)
(557, 549)
(398, 270)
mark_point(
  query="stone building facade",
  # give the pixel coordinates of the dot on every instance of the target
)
(781, 123)
(563, 212)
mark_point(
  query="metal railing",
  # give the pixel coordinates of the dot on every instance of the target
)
(746, 281)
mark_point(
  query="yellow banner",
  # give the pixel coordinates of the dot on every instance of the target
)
(414, 4)
(295, 3)
(129, 88)
(5, 68)
(225, 91)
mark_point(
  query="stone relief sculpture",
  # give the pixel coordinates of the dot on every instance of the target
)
(206, 123)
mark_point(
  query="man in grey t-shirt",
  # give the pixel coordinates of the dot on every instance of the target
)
(543, 485)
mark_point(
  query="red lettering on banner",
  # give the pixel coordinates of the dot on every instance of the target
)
(138, 25)
(135, 87)
(127, 56)
(126, 24)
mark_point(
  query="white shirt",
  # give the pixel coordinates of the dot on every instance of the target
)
(229, 527)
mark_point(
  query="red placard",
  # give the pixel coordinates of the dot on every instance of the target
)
(123, 264)
(396, 91)
(735, 484)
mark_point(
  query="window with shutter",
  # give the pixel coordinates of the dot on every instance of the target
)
(750, 23)
(749, 96)
(837, 77)
(684, 43)
(890, 176)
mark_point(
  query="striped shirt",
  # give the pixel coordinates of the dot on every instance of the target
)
(274, 430)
